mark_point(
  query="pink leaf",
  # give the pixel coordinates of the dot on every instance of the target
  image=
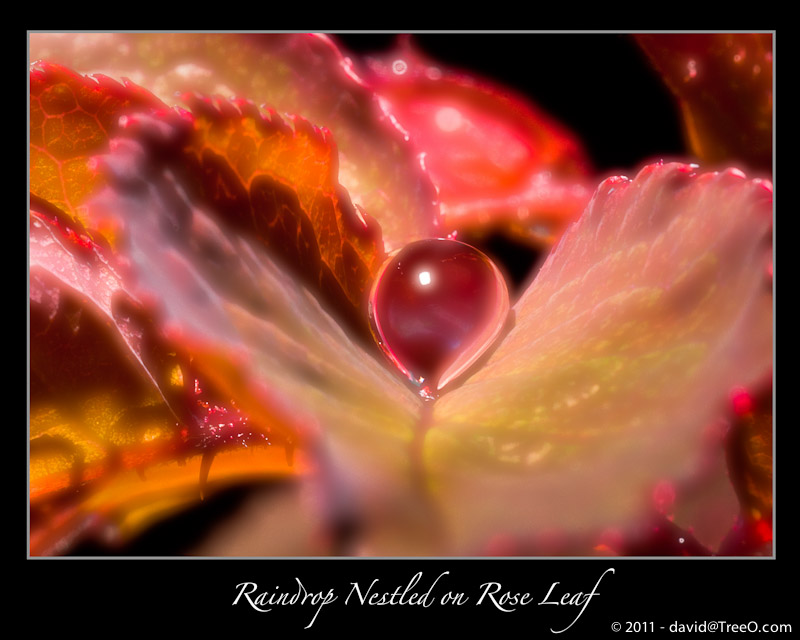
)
(653, 306)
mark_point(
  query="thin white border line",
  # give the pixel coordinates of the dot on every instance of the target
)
(502, 558)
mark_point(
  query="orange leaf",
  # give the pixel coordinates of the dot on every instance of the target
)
(72, 118)
(279, 183)
(110, 397)
(134, 371)
(299, 73)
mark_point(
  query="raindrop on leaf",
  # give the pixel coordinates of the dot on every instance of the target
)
(436, 306)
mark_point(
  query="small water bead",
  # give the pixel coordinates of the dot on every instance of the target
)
(436, 306)
(399, 66)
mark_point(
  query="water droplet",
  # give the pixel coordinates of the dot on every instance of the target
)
(436, 306)
(399, 67)
(742, 402)
(763, 530)
(691, 69)
(433, 73)
(664, 497)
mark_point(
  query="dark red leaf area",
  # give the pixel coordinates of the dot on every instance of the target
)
(655, 535)
(279, 183)
(724, 85)
(91, 401)
(108, 390)
(87, 350)
(749, 453)
(661, 537)
(68, 264)
(748, 538)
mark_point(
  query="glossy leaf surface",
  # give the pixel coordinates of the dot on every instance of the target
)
(496, 159)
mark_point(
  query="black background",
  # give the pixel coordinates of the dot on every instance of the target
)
(601, 87)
